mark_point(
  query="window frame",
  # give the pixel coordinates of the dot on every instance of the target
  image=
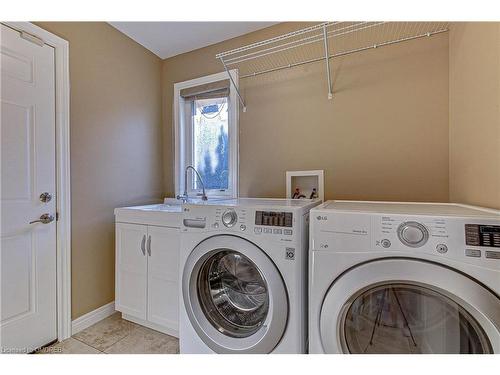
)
(183, 140)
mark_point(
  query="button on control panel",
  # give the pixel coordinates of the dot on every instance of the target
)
(474, 253)
(273, 231)
(229, 218)
(442, 248)
(385, 243)
(413, 234)
(492, 254)
(274, 222)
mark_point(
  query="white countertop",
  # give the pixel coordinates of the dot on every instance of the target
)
(166, 214)
(155, 207)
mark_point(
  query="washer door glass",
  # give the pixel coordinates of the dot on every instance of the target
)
(406, 318)
(233, 293)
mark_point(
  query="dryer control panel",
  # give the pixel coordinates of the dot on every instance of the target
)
(451, 237)
(468, 240)
(482, 235)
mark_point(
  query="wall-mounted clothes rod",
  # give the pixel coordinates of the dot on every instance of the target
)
(340, 54)
(299, 43)
(321, 42)
(275, 39)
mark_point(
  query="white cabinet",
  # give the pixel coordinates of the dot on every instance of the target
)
(131, 269)
(147, 272)
(163, 276)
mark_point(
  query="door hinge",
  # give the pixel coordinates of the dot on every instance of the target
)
(57, 216)
(32, 38)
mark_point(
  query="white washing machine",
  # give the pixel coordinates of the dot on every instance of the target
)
(404, 278)
(244, 276)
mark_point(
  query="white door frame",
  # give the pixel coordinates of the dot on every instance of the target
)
(63, 193)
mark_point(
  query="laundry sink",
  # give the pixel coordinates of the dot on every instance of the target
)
(159, 207)
(161, 214)
(168, 205)
(180, 202)
(162, 207)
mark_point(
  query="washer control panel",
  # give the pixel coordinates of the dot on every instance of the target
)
(274, 222)
(271, 225)
(274, 219)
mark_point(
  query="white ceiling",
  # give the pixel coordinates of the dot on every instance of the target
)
(167, 39)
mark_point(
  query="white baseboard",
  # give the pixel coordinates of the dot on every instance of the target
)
(79, 324)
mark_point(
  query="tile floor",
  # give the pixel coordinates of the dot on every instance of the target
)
(115, 335)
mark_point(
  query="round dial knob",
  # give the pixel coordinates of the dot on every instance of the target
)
(413, 234)
(229, 218)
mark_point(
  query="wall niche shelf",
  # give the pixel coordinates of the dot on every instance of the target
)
(320, 42)
(305, 182)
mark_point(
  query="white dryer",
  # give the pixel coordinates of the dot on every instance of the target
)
(243, 284)
(404, 278)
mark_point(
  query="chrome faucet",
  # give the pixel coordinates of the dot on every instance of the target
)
(184, 196)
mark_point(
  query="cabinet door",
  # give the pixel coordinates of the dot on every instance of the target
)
(131, 269)
(163, 273)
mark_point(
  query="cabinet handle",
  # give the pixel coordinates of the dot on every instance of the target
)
(143, 242)
(149, 245)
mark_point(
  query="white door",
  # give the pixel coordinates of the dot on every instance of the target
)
(131, 269)
(163, 276)
(28, 251)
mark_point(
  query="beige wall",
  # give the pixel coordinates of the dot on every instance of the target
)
(115, 147)
(384, 136)
(475, 114)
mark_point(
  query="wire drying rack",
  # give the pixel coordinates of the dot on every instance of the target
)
(320, 42)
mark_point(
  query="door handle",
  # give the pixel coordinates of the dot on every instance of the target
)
(143, 242)
(44, 219)
(149, 245)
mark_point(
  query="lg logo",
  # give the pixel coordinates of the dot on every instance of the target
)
(319, 218)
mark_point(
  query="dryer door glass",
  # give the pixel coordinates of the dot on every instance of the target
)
(233, 293)
(405, 318)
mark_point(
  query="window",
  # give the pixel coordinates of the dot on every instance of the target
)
(206, 135)
(211, 142)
